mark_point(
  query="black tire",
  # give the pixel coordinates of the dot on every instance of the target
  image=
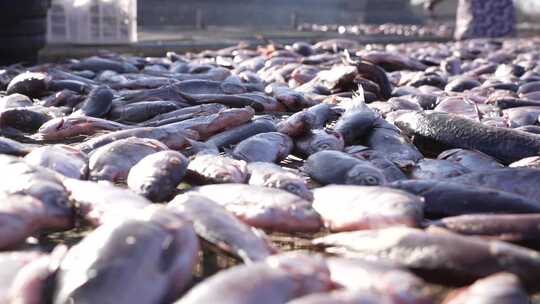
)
(23, 27)
(15, 49)
(13, 10)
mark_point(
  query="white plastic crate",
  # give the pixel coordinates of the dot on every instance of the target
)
(92, 21)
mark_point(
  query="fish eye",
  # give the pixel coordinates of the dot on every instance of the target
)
(371, 180)
(324, 146)
(291, 188)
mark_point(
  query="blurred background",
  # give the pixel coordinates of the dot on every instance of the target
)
(79, 27)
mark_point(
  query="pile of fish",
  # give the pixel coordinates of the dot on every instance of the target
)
(431, 29)
(403, 166)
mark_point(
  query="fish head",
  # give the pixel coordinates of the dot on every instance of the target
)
(229, 176)
(59, 213)
(333, 141)
(60, 127)
(295, 186)
(53, 126)
(364, 175)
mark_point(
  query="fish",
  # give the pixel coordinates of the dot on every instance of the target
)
(98, 103)
(158, 241)
(276, 280)
(339, 78)
(98, 64)
(218, 226)
(356, 121)
(527, 162)
(462, 84)
(63, 159)
(362, 207)
(442, 256)
(63, 98)
(292, 99)
(174, 139)
(33, 282)
(516, 228)
(509, 103)
(237, 134)
(21, 178)
(530, 129)
(211, 168)
(23, 216)
(141, 83)
(519, 181)
(436, 169)
(30, 84)
(212, 124)
(470, 159)
(66, 127)
(113, 161)
(273, 176)
(25, 119)
(14, 264)
(322, 114)
(194, 87)
(15, 101)
(264, 147)
(183, 114)
(392, 61)
(521, 116)
(12, 147)
(501, 288)
(401, 285)
(318, 140)
(386, 138)
(378, 159)
(444, 198)
(157, 175)
(168, 92)
(344, 297)
(530, 87)
(372, 72)
(72, 85)
(141, 111)
(335, 167)
(461, 106)
(98, 203)
(264, 208)
(297, 124)
(506, 145)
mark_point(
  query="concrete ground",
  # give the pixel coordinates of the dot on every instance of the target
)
(156, 42)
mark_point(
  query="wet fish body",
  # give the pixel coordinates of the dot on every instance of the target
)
(113, 161)
(266, 147)
(273, 176)
(444, 198)
(505, 145)
(237, 134)
(163, 245)
(460, 258)
(361, 207)
(157, 175)
(216, 225)
(334, 167)
(265, 208)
